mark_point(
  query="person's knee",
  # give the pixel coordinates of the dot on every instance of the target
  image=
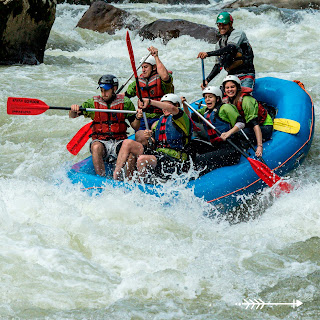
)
(139, 137)
(132, 146)
(97, 148)
(127, 145)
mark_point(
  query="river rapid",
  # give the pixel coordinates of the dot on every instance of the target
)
(68, 255)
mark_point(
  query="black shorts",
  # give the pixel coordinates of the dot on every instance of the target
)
(167, 165)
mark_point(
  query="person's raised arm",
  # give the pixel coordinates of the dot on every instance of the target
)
(161, 69)
(161, 104)
(185, 107)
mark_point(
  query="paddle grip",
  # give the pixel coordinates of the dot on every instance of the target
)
(203, 76)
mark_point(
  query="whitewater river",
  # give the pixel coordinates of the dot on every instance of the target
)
(67, 255)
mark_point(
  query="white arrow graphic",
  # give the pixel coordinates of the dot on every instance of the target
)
(259, 304)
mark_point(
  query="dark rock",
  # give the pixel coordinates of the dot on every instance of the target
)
(173, 28)
(169, 1)
(103, 17)
(83, 2)
(24, 30)
(288, 4)
(89, 2)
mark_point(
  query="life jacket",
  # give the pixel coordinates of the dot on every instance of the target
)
(242, 61)
(262, 111)
(221, 125)
(151, 88)
(107, 125)
(169, 135)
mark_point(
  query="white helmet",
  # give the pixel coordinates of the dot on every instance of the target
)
(214, 90)
(231, 78)
(172, 98)
(151, 60)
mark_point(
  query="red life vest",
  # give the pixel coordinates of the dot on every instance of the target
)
(162, 138)
(151, 88)
(107, 125)
(262, 111)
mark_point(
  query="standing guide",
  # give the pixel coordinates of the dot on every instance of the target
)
(233, 52)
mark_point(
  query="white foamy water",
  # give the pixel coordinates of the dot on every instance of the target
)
(68, 255)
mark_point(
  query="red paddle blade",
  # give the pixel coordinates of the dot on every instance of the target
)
(269, 177)
(133, 64)
(25, 106)
(282, 187)
(80, 139)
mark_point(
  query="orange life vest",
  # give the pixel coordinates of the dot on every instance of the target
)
(151, 88)
(108, 125)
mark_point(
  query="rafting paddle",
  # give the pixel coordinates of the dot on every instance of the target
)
(252, 145)
(133, 64)
(261, 169)
(79, 139)
(130, 50)
(30, 106)
(286, 125)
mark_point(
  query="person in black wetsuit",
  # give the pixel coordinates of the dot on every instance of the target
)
(233, 52)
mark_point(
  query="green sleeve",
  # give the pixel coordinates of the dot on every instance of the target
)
(154, 126)
(202, 111)
(196, 118)
(183, 122)
(167, 86)
(250, 108)
(229, 113)
(268, 121)
(132, 89)
(128, 105)
(89, 104)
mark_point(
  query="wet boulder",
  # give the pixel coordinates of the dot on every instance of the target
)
(89, 2)
(82, 2)
(103, 17)
(288, 4)
(24, 30)
(168, 1)
(167, 29)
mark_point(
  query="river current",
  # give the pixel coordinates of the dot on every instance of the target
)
(68, 255)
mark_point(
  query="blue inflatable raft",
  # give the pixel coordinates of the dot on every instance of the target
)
(227, 185)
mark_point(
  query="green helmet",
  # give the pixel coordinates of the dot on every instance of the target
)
(224, 17)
